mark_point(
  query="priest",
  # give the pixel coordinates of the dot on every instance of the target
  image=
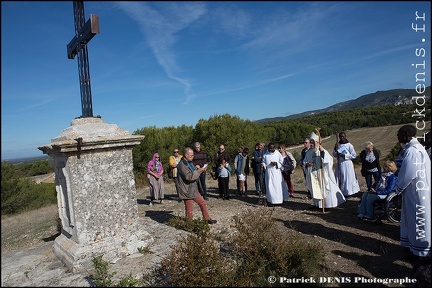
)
(320, 179)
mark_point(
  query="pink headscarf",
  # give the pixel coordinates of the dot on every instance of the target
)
(155, 165)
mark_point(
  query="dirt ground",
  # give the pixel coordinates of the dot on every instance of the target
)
(353, 248)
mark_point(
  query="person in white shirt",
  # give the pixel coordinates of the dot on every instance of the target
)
(272, 163)
(345, 173)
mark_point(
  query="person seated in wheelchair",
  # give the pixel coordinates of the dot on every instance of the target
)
(385, 185)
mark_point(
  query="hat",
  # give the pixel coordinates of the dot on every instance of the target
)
(314, 137)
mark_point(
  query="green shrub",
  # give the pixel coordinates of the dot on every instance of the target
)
(103, 278)
(257, 250)
(129, 281)
(197, 226)
(29, 196)
(19, 194)
(261, 249)
(197, 262)
(144, 250)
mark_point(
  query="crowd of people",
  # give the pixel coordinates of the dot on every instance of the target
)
(272, 168)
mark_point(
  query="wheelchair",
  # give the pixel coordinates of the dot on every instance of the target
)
(389, 208)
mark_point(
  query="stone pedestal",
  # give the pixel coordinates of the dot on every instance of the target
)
(96, 193)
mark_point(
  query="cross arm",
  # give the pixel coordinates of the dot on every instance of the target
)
(90, 29)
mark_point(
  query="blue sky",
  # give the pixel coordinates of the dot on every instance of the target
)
(173, 63)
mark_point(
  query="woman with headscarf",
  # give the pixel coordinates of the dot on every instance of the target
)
(156, 184)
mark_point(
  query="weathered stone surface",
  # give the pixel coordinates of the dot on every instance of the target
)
(90, 134)
(96, 193)
(91, 128)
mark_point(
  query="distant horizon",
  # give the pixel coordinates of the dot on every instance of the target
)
(25, 158)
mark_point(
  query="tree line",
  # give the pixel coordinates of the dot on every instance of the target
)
(19, 192)
(234, 132)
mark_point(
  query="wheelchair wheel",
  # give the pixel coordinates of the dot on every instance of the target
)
(393, 207)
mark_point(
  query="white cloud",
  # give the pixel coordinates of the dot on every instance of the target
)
(161, 29)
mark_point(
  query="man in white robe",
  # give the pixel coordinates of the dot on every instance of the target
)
(414, 182)
(320, 179)
(344, 172)
(272, 163)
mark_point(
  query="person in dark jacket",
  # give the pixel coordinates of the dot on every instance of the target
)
(188, 184)
(201, 158)
(369, 158)
(258, 171)
(222, 153)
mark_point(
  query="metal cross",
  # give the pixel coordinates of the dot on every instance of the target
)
(84, 32)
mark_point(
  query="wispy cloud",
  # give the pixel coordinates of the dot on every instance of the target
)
(160, 24)
(231, 21)
(297, 29)
(255, 84)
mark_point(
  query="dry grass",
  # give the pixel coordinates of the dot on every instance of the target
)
(28, 229)
(384, 138)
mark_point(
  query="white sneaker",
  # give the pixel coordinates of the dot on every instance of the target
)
(161, 201)
(151, 203)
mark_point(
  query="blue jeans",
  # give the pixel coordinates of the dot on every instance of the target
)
(368, 178)
(367, 204)
(259, 182)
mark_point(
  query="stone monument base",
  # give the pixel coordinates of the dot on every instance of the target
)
(96, 193)
(78, 257)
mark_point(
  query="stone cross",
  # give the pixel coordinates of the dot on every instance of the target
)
(84, 32)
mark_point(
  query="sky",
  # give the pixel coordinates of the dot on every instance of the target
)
(173, 63)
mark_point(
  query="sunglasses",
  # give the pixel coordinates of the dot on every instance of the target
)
(176, 151)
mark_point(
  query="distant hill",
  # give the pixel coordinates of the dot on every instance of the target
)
(379, 98)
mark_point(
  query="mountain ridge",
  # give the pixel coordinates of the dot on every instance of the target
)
(378, 98)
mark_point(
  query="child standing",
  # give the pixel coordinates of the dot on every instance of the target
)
(223, 172)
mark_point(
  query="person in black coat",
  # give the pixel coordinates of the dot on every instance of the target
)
(369, 158)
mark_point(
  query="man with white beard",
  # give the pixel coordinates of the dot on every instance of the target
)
(320, 179)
